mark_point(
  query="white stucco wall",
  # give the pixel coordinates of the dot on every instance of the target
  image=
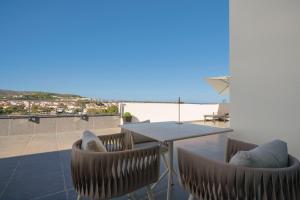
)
(156, 112)
(265, 69)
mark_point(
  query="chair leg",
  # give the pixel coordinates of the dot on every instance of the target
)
(165, 160)
(174, 172)
(191, 197)
(150, 193)
(166, 164)
(160, 178)
(131, 196)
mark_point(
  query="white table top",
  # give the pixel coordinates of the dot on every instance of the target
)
(171, 131)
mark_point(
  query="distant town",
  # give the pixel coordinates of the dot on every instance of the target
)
(43, 103)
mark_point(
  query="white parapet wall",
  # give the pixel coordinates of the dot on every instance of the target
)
(157, 112)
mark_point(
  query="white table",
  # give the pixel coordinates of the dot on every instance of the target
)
(168, 132)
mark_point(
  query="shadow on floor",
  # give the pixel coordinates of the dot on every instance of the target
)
(48, 176)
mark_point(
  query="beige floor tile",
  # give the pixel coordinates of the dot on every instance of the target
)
(30, 144)
(216, 124)
(106, 131)
(6, 140)
(8, 154)
(66, 140)
(42, 143)
(11, 146)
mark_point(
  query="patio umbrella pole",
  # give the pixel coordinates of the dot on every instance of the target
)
(179, 111)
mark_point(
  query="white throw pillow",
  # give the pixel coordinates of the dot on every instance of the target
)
(270, 155)
(91, 142)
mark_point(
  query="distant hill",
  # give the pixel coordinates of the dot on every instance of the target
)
(27, 95)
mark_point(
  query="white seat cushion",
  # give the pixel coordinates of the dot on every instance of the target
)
(91, 142)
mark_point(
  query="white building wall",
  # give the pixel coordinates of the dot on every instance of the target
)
(265, 70)
(156, 112)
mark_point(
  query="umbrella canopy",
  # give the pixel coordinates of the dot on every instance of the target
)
(220, 84)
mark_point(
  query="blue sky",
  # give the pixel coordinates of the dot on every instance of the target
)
(115, 49)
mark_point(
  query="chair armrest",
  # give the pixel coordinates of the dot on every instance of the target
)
(204, 178)
(233, 146)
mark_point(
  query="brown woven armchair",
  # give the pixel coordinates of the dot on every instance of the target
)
(120, 171)
(209, 179)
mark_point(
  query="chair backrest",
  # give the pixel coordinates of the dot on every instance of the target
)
(138, 139)
(105, 175)
(116, 142)
(223, 109)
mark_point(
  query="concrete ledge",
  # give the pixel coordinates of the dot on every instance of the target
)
(21, 125)
(55, 116)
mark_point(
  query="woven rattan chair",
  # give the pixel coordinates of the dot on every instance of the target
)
(209, 179)
(138, 141)
(120, 171)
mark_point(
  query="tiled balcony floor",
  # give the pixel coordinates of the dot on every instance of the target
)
(38, 166)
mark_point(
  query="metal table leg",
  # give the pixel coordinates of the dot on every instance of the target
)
(170, 177)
